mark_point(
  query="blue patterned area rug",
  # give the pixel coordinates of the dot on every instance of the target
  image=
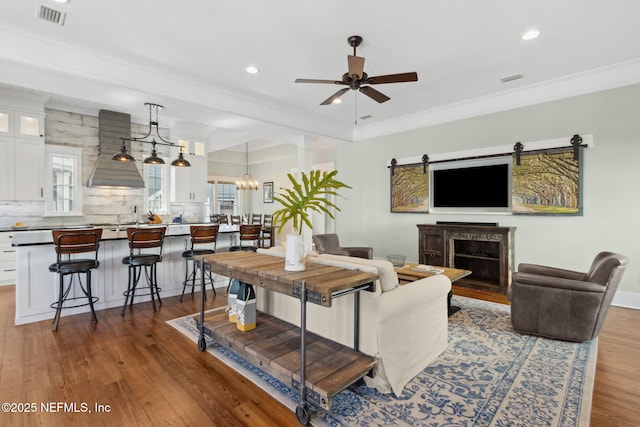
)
(489, 375)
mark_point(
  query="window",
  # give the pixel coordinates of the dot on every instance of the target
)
(63, 186)
(226, 198)
(221, 199)
(156, 196)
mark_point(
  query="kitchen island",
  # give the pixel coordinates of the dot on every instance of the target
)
(37, 288)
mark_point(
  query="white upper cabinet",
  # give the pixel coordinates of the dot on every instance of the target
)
(7, 169)
(21, 154)
(29, 173)
(189, 184)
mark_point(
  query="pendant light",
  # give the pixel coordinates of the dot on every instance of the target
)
(153, 159)
(247, 182)
(122, 155)
(181, 161)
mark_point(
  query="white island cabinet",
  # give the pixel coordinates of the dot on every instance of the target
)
(37, 287)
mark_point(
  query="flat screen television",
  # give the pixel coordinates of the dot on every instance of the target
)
(481, 186)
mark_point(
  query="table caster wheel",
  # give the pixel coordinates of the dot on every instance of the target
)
(302, 412)
(202, 344)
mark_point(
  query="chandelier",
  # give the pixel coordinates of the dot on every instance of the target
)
(153, 159)
(247, 182)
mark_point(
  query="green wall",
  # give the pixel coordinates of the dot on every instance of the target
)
(610, 194)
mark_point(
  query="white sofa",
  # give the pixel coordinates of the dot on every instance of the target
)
(403, 326)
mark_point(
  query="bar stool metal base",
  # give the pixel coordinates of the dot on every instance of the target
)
(191, 278)
(63, 296)
(135, 273)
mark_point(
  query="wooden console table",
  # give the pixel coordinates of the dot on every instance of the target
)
(484, 249)
(273, 344)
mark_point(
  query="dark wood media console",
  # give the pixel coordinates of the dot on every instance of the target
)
(486, 250)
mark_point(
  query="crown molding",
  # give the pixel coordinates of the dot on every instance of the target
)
(33, 62)
(610, 77)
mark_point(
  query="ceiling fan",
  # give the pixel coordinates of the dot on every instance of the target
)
(356, 78)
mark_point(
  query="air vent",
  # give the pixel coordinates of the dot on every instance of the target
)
(511, 78)
(51, 15)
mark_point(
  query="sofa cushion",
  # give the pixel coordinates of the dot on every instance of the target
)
(386, 273)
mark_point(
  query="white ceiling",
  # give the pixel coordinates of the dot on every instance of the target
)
(190, 57)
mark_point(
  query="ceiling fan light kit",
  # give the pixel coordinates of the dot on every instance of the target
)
(355, 78)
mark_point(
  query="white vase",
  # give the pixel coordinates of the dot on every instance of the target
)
(295, 253)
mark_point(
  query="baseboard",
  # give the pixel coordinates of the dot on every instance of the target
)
(627, 300)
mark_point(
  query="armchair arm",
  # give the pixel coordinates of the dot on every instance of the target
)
(359, 251)
(340, 251)
(556, 282)
(544, 270)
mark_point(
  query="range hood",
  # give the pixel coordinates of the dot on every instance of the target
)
(112, 127)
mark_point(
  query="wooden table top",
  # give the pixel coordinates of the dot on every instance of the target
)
(406, 273)
(267, 271)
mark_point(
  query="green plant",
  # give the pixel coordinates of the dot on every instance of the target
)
(306, 196)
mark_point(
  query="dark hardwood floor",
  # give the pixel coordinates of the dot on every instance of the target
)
(143, 372)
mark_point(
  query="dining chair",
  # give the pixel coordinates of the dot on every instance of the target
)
(267, 231)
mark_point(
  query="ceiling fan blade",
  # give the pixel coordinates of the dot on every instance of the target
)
(374, 94)
(332, 82)
(392, 78)
(356, 66)
(335, 96)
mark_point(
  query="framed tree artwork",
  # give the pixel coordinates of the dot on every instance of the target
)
(410, 189)
(547, 183)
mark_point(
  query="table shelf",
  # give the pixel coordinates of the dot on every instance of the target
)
(274, 346)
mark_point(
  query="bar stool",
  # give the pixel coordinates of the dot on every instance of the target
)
(200, 235)
(256, 219)
(248, 233)
(67, 243)
(143, 239)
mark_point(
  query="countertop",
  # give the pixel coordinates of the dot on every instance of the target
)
(42, 235)
(104, 226)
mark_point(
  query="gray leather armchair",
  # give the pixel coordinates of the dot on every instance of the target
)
(564, 304)
(330, 244)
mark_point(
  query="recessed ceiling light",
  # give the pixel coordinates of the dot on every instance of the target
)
(252, 69)
(62, 1)
(530, 35)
